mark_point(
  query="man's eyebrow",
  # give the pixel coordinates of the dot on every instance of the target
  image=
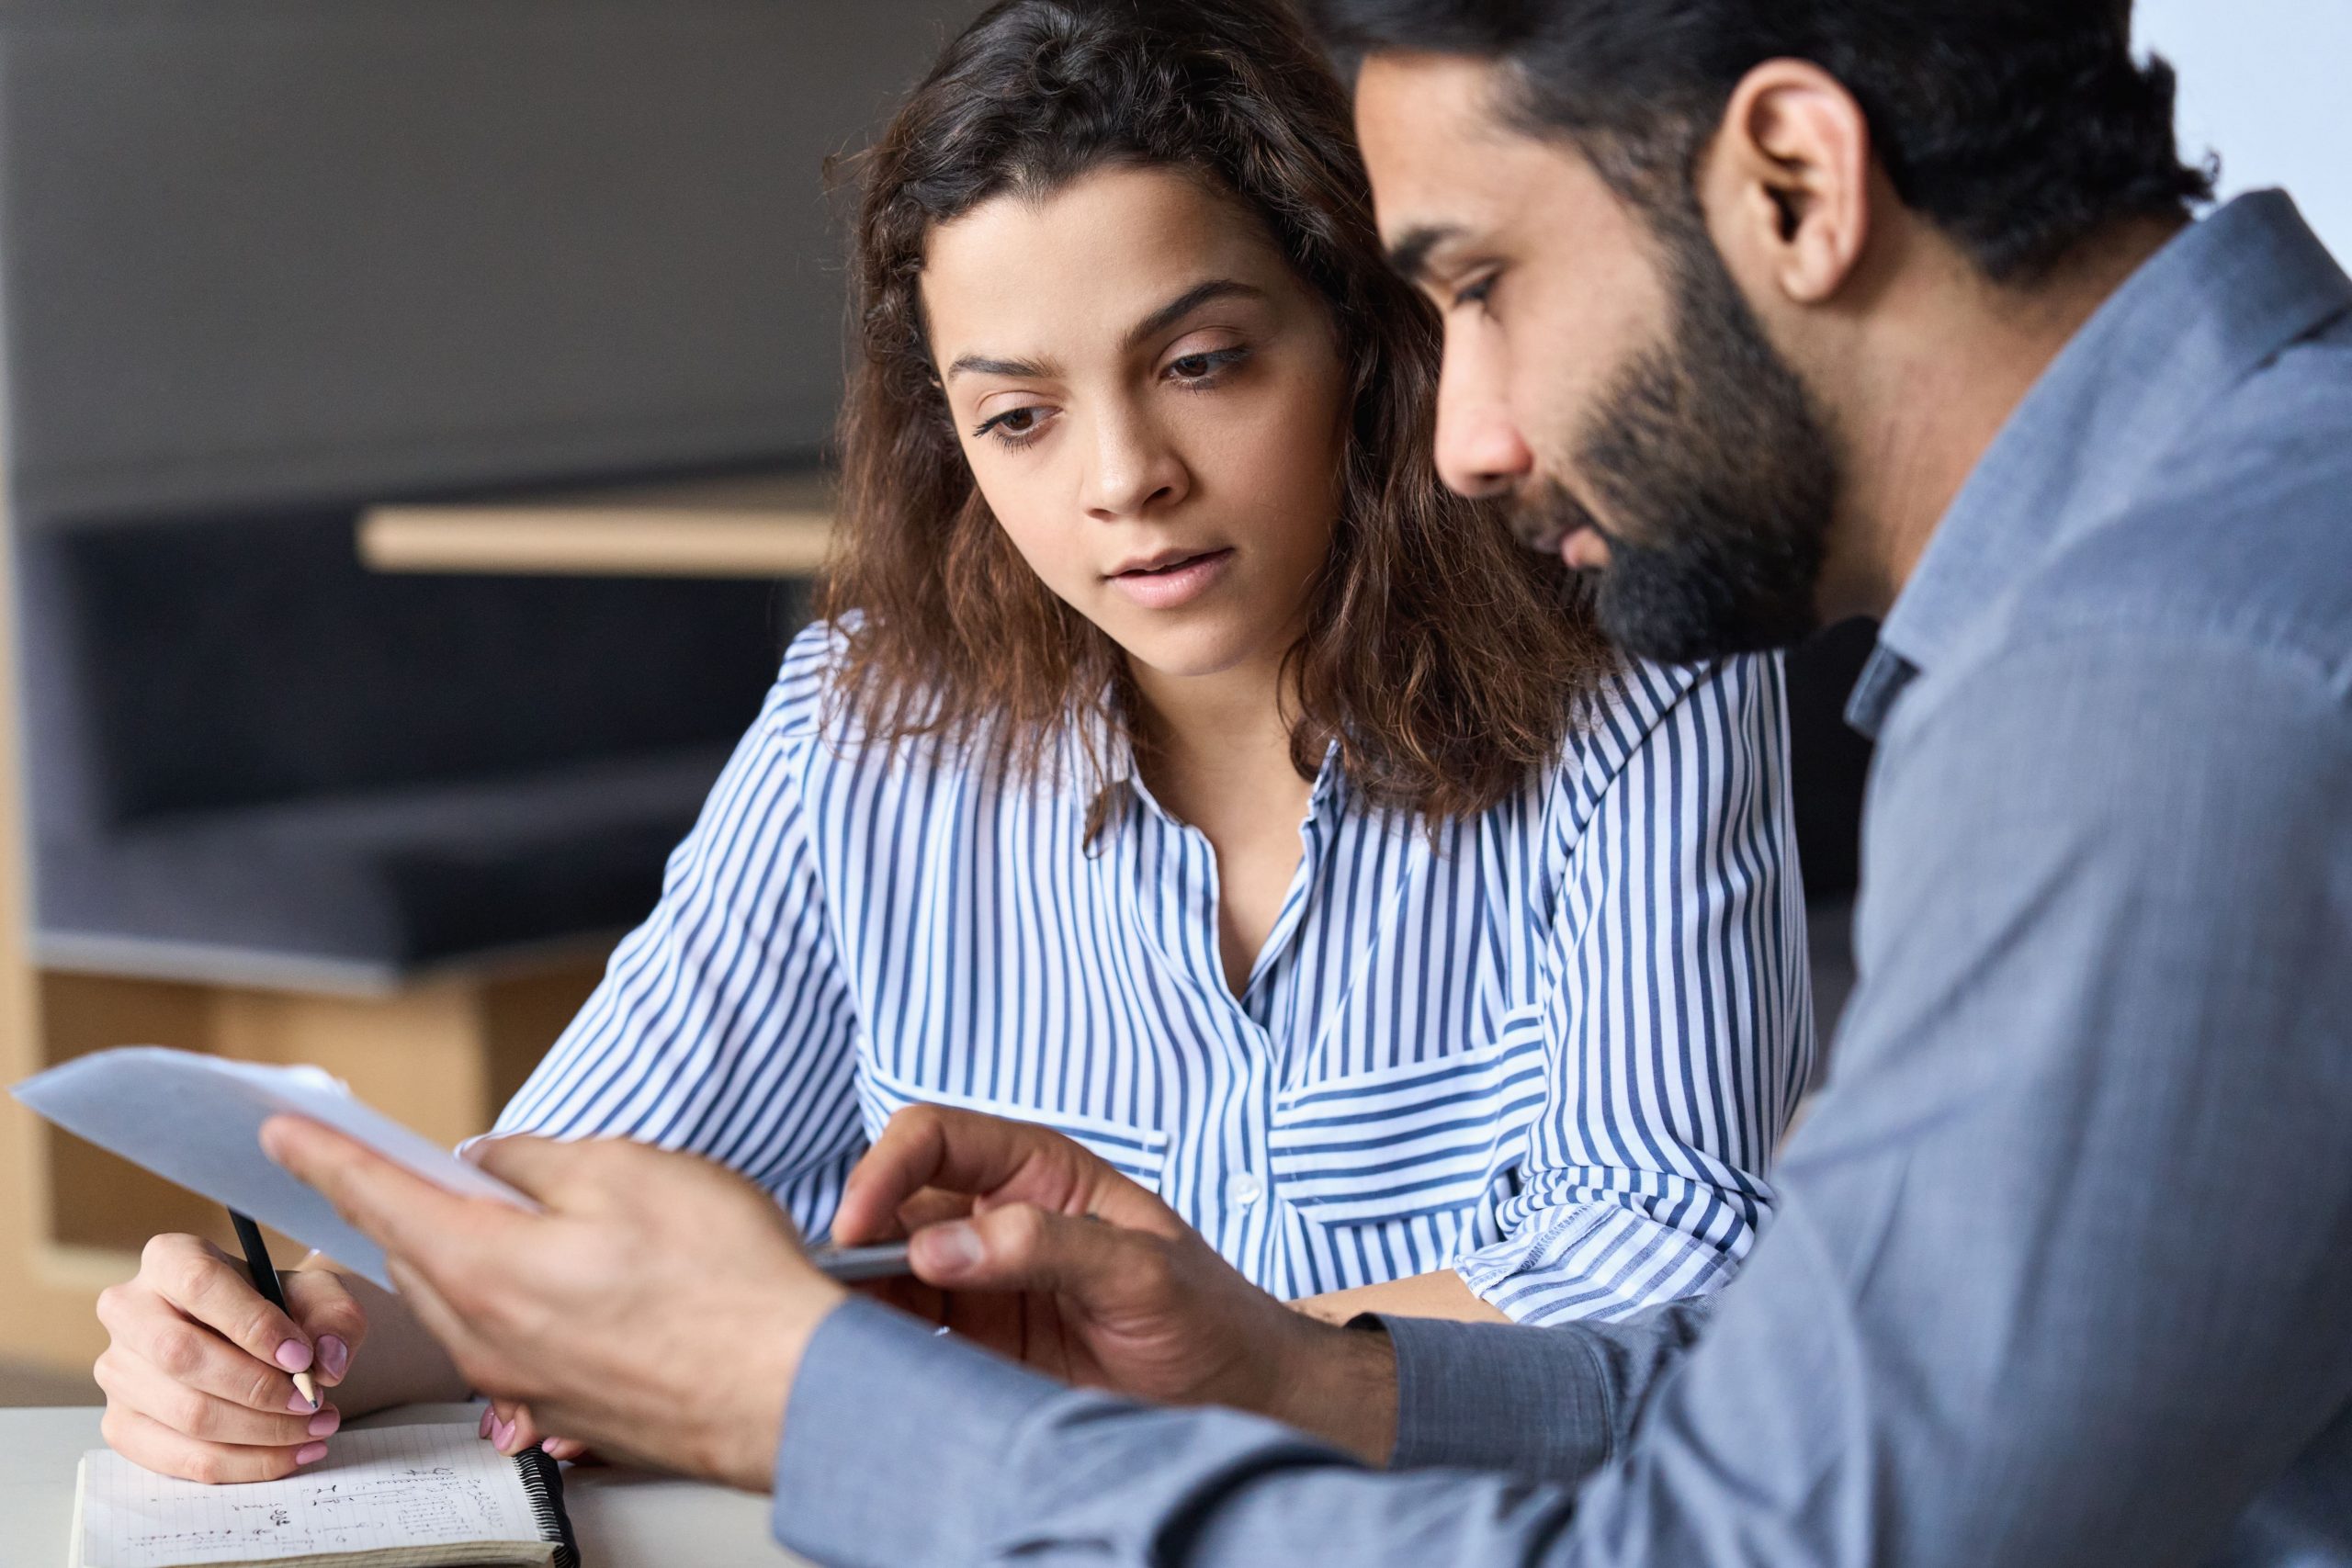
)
(981, 364)
(1191, 299)
(1410, 256)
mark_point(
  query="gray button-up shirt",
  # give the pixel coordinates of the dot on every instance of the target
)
(2062, 1273)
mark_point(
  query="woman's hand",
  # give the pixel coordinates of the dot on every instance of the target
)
(509, 1424)
(1059, 1261)
(199, 1373)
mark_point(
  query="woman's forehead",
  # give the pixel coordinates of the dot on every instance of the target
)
(1082, 265)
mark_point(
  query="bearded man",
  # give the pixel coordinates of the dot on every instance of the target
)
(1767, 313)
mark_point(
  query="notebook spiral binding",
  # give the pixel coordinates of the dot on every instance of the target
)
(543, 1479)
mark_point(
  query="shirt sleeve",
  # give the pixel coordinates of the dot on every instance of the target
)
(723, 1024)
(2056, 1279)
(1678, 1026)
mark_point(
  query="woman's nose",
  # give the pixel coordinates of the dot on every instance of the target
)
(1133, 469)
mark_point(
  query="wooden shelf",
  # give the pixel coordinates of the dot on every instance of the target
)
(762, 526)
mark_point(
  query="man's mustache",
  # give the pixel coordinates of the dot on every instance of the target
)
(1546, 513)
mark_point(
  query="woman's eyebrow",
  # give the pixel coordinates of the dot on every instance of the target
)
(1191, 299)
(1158, 321)
(981, 364)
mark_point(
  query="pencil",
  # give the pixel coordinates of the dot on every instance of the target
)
(265, 1276)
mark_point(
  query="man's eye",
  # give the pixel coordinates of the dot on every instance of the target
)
(1477, 293)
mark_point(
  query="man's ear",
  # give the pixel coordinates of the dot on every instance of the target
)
(1786, 183)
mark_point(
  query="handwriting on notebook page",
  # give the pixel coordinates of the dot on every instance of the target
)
(394, 1486)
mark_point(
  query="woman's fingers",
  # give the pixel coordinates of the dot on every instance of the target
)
(154, 1445)
(508, 1424)
(198, 1278)
(326, 1311)
(146, 1325)
(134, 1383)
(568, 1449)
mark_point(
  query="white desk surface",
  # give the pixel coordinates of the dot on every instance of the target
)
(623, 1519)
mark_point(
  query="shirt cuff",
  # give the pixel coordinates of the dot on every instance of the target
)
(892, 1438)
(1494, 1397)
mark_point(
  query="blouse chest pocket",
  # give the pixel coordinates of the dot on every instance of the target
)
(1137, 1152)
(1422, 1139)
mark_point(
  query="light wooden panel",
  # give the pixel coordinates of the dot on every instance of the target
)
(767, 526)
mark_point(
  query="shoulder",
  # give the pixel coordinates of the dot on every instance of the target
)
(808, 717)
(1714, 707)
(811, 662)
(2243, 537)
(1703, 727)
(2175, 747)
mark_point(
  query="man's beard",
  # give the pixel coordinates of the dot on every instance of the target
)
(1718, 476)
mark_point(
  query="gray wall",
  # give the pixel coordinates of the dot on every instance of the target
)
(254, 249)
(2264, 84)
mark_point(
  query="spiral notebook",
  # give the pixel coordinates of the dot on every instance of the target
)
(390, 1497)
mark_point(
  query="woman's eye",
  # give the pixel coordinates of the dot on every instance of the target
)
(1014, 427)
(1204, 367)
(1477, 293)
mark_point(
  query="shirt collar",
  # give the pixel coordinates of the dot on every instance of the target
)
(1119, 776)
(2225, 295)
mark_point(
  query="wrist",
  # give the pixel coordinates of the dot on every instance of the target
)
(1339, 1385)
(744, 1456)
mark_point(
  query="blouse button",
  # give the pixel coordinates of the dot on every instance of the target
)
(1245, 1188)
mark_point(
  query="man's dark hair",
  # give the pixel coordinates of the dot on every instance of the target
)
(2017, 127)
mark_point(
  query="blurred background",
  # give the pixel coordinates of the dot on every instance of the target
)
(413, 422)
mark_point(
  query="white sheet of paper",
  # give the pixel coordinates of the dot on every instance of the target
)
(197, 1119)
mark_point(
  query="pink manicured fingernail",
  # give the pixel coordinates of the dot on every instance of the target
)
(334, 1354)
(502, 1434)
(488, 1414)
(309, 1453)
(325, 1421)
(949, 1248)
(294, 1356)
(296, 1404)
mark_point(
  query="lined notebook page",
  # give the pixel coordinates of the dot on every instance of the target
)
(392, 1487)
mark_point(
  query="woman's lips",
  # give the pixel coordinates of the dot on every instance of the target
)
(1178, 583)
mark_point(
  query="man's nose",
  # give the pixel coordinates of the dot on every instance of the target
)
(1133, 468)
(1480, 451)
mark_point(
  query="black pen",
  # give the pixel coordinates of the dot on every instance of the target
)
(264, 1275)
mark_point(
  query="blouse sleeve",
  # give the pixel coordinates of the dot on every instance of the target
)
(723, 1024)
(1679, 1026)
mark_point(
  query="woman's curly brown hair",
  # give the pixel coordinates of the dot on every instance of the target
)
(1444, 659)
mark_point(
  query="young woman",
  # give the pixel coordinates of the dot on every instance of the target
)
(1179, 765)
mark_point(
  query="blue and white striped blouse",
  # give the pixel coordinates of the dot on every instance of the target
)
(1554, 1049)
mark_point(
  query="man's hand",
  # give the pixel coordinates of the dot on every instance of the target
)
(1037, 1249)
(658, 1308)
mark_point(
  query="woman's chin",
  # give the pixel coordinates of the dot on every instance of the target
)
(1191, 653)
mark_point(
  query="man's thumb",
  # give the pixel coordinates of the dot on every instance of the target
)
(534, 1167)
(1022, 1248)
